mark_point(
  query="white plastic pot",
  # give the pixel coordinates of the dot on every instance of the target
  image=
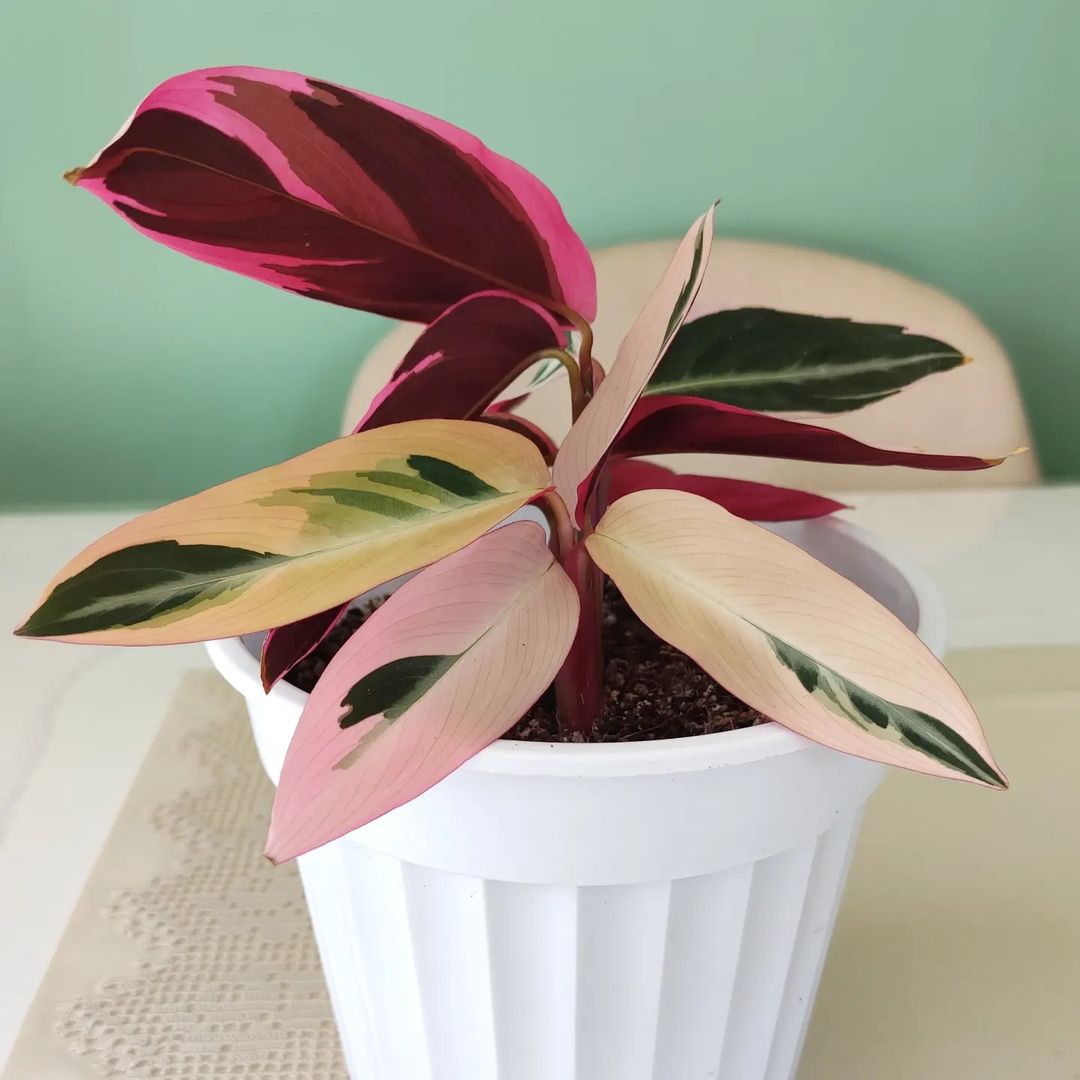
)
(635, 911)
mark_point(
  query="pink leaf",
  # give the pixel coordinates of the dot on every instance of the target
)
(451, 661)
(744, 498)
(686, 425)
(463, 360)
(641, 351)
(285, 646)
(336, 194)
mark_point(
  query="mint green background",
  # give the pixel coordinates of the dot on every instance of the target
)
(936, 137)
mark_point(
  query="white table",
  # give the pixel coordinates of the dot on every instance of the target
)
(77, 720)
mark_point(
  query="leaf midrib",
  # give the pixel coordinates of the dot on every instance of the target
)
(710, 597)
(543, 301)
(795, 374)
(271, 559)
(690, 586)
(527, 589)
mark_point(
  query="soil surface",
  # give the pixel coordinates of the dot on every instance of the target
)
(652, 691)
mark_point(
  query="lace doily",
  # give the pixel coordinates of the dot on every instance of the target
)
(189, 954)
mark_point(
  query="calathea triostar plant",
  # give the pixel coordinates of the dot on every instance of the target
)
(347, 198)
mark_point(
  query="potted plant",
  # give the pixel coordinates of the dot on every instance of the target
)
(554, 906)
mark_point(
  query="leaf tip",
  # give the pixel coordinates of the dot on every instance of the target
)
(28, 628)
(1005, 457)
(73, 176)
(967, 360)
(265, 677)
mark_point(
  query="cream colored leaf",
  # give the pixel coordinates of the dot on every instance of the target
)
(640, 352)
(788, 635)
(295, 539)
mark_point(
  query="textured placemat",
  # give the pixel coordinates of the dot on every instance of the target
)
(188, 954)
(955, 952)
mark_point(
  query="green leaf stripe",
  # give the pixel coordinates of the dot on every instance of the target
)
(137, 583)
(389, 690)
(883, 718)
(147, 581)
(684, 298)
(393, 687)
(782, 361)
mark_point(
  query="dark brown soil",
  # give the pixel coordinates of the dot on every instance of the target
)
(652, 691)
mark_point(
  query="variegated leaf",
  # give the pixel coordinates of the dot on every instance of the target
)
(684, 425)
(744, 498)
(463, 360)
(337, 195)
(781, 361)
(788, 635)
(641, 350)
(454, 370)
(451, 661)
(295, 539)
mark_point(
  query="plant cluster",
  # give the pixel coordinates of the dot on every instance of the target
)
(354, 200)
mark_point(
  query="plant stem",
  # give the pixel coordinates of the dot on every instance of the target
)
(562, 528)
(584, 352)
(579, 686)
(578, 398)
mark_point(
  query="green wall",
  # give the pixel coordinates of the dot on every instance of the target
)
(936, 137)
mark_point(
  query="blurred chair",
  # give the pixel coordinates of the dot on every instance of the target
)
(974, 409)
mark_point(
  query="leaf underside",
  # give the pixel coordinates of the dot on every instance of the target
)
(788, 635)
(392, 688)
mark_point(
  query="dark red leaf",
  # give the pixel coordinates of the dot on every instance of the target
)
(463, 360)
(686, 425)
(337, 195)
(744, 498)
(284, 647)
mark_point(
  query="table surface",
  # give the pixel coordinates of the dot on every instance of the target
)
(78, 720)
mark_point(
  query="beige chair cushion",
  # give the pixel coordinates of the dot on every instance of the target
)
(975, 409)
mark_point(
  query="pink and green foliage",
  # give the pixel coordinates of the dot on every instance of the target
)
(456, 655)
(347, 198)
(337, 195)
(465, 359)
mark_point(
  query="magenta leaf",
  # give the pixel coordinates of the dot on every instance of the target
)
(744, 498)
(285, 646)
(463, 360)
(686, 425)
(338, 195)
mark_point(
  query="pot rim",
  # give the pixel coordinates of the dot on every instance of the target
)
(240, 668)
